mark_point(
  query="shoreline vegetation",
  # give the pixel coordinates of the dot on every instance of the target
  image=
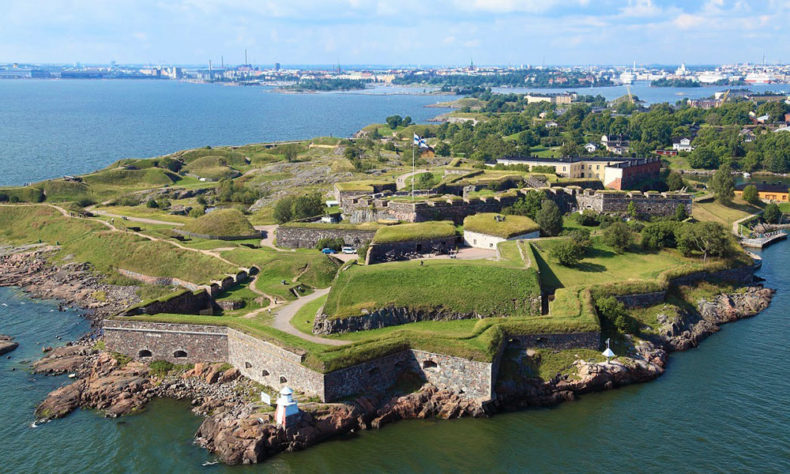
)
(142, 232)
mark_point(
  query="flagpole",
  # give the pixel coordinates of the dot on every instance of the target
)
(412, 170)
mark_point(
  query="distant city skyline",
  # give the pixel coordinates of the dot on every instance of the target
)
(355, 32)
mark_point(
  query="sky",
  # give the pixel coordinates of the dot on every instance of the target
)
(395, 32)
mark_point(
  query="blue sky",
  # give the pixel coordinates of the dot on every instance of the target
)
(395, 31)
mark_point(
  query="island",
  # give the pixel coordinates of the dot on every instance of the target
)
(297, 291)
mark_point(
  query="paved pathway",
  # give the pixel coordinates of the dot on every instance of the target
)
(268, 241)
(282, 319)
(400, 181)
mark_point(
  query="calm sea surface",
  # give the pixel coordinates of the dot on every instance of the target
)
(721, 407)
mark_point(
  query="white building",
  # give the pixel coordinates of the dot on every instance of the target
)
(487, 230)
(684, 144)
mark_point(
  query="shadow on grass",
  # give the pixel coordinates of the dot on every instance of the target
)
(590, 267)
(548, 279)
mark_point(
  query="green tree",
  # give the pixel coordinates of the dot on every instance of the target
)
(704, 157)
(308, 205)
(618, 236)
(549, 218)
(529, 205)
(282, 210)
(442, 149)
(659, 235)
(394, 121)
(772, 214)
(707, 238)
(674, 181)
(750, 194)
(567, 252)
(290, 152)
(723, 184)
(631, 209)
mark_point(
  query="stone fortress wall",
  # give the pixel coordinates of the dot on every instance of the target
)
(308, 237)
(275, 366)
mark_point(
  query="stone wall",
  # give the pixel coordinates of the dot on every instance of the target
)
(742, 275)
(642, 300)
(159, 281)
(308, 237)
(177, 343)
(256, 235)
(653, 204)
(272, 365)
(374, 375)
(470, 378)
(386, 252)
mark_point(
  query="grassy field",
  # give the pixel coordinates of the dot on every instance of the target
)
(145, 213)
(221, 223)
(416, 231)
(479, 287)
(603, 265)
(506, 227)
(84, 240)
(308, 268)
(714, 211)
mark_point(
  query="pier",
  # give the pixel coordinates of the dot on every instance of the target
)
(764, 240)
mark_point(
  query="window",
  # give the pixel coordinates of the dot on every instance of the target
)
(179, 354)
(247, 365)
(283, 379)
(144, 353)
(490, 244)
(264, 373)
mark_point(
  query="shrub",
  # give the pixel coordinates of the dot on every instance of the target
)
(334, 243)
(152, 203)
(85, 202)
(587, 218)
(160, 368)
(614, 312)
(362, 251)
(680, 213)
(568, 252)
(197, 211)
(659, 235)
(708, 238)
(618, 236)
(3, 197)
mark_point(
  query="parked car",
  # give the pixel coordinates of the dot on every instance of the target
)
(349, 249)
(327, 251)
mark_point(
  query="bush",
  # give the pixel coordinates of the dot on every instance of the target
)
(614, 312)
(659, 235)
(568, 252)
(362, 251)
(3, 197)
(618, 236)
(708, 238)
(152, 204)
(750, 194)
(587, 218)
(334, 243)
(549, 218)
(160, 368)
(197, 211)
(85, 202)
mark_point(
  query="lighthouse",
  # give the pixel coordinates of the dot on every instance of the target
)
(286, 407)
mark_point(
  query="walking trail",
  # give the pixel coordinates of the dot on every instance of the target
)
(282, 319)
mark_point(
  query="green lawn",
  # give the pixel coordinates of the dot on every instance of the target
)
(604, 265)
(416, 231)
(304, 318)
(716, 212)
(146, 213)
(221, 222)
(506, 227)
(480, 287)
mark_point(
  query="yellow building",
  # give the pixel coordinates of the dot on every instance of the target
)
(766, 191)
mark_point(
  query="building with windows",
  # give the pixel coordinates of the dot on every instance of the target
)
(770, 192)
(614, 172)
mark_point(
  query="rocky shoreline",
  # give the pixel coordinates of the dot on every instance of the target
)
(72, 284)
(239, 430)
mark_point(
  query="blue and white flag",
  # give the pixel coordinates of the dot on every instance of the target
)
(419, 141)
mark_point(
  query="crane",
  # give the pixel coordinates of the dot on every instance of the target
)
(724, 98)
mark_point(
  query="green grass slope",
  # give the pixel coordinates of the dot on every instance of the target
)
(221, 223)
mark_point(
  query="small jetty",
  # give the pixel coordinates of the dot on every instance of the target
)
(764, 240)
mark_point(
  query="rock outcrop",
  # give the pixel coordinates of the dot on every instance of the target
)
(7, 344)
(245, 436)
(688, 329)
(74, 284)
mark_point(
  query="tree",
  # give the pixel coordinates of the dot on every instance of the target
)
(308, 205)
(567, 252)
(618, 236)
(674, 181)
(282, 210)
(704, 157)
(659, 235)
(290, 152)
(549, 218)
(152, 203)
(631, 209)
(529, 205)
(570, 148)
(708, 238)
(394, 121)
(723, 184)
(772, 214)
(750, 194)
(442, 149)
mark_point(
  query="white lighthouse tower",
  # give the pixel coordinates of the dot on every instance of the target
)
(286, 407)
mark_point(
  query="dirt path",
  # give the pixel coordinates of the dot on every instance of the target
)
(142, 220)
(268, 241)
(282, 319)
